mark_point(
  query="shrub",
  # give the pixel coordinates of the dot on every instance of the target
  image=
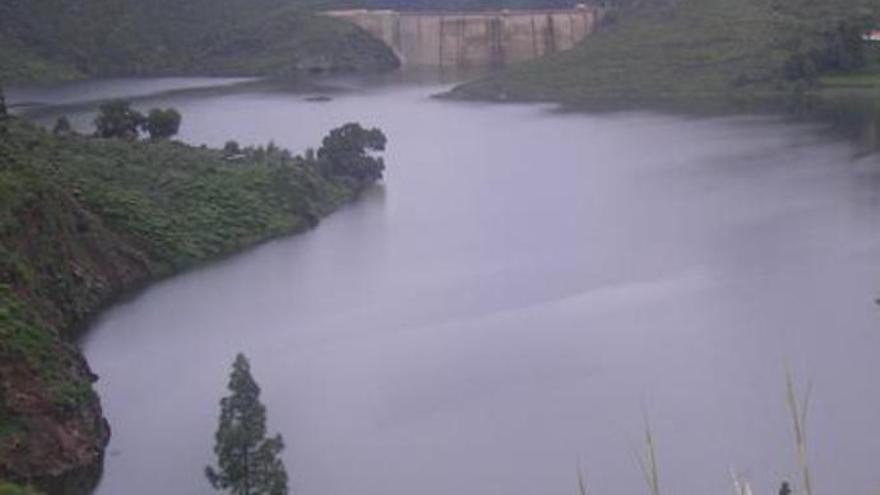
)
(232, 148)
(162, 124)
(116, 119)
(62, 126)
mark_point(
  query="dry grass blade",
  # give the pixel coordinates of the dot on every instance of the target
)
(740, 484)
(582, 487)
(798, 419)
(648, 462)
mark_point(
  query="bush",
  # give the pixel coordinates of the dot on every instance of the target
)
(162, 124)
(62, 126)
(116, 119)
(232, 148)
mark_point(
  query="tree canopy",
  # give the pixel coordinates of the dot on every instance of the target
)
(2, 112)
(116, 119)
(62, 126)
(162, 124)
(344, 152)
(248, 462)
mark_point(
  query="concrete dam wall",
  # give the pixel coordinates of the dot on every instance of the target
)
(475, 39)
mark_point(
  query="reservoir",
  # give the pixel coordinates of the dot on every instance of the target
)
(525, 291)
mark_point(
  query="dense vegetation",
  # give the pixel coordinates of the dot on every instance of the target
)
(116, 119)
(696, 50)
(83, 219)
(64, 39)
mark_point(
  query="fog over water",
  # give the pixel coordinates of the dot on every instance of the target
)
(524, 289)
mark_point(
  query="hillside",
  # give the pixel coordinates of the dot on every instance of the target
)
(691, 51)
(67, 39)
(84, 220)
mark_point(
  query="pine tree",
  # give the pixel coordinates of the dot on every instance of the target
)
(248, 463)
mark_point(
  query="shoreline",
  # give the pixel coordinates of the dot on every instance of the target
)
(76, 258)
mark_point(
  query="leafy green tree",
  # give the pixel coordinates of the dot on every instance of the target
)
(344, 152)
(116, 119)
(248, 463)
(162, 124)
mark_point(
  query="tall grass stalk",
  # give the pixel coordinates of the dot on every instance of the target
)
(799, 422)
(740, 484)
(582, 487)
(648, 462)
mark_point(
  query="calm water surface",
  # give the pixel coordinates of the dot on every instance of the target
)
(524, 289)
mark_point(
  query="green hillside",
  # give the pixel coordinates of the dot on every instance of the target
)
(64, 39)
(694, 50)
(84, 219)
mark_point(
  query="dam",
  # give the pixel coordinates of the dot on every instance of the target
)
(476, 39)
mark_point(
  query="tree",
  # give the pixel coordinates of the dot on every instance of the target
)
(232, 148)
(343, 152)
(116, 119)
(2, 105)
(247, 461)
(162, 124)
(62, 126)
(2, 112)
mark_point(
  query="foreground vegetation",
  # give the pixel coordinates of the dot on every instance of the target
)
(797, 409)
(696, 51)
(11, 489)
(84, 219)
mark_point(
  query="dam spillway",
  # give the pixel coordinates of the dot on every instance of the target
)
(475, 39)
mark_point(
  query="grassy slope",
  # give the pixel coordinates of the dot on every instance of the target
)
(10, 489)
(64, 39)
(84, 219)
(267, 46)
(699, 49)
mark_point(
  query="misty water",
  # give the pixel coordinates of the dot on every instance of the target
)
(522, 292)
